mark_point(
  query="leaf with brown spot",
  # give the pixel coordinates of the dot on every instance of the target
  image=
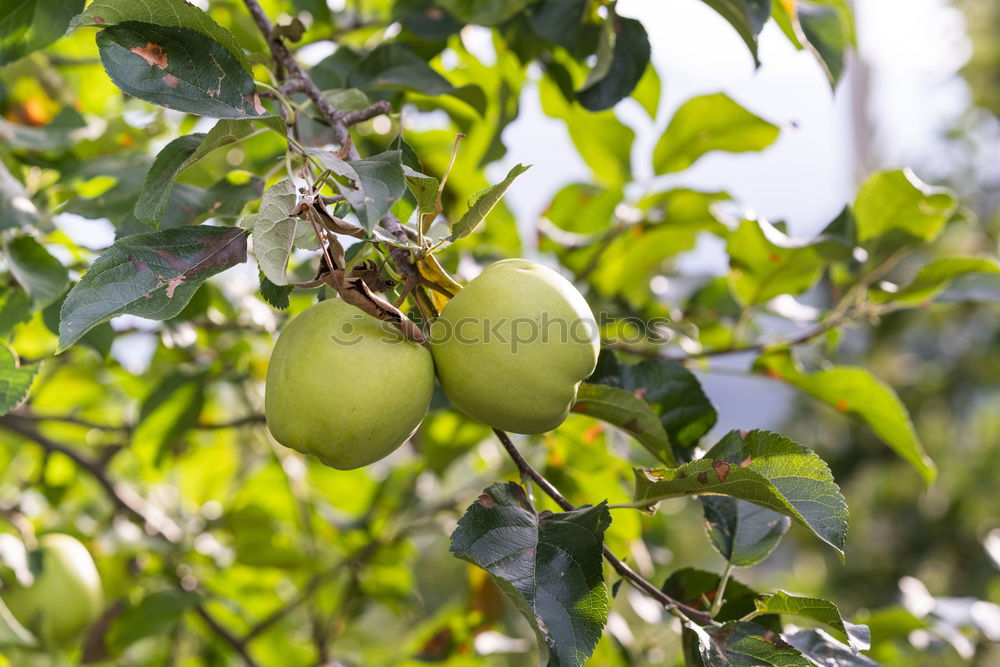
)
(784, 477)
(178, 68)
(149, 275)
(153, 54)
(623, 409)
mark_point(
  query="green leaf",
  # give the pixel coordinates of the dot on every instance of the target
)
(155, 615)
(150, 275)
(627, 411)
(424, 189)
(483, 12)
(178, 68)
(376, 183)
(765, 263)
(670, 388)
(618, 69)
(825, 651)
(183, 152)
(856, 392)
(15, 307)
(763, 468)
(29, 25)
(169, 411)
(41, 275)
(15, 381)
(16, 209)
(747, 17)
(12, 633)
(936, 276)
(275, 295)
(57, 134)
(819, 610)
(603, 142)
(396, 66)
(275, 233)
(159, 183)
(177, 13)
(743, 533)
(709, 123)
(697, 589)
(550, 565)
(745, 644)
(827, 29)
(898, 203)
(647, 91)
(482, 202)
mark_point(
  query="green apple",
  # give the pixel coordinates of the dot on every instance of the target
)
(344, 386)
(65, 598)
(512, 347)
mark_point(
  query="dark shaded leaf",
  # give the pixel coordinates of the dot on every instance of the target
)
(178, 13)
(550, 565)
(169, 411)
(483, 12)
(745, 534)
(156, 614)
(375, 184)
(178, 68)
(15, 307)
(627, 411)
(29, 25)
(745, 644)
(697, 589)
(672, 390)
(747, 17)
(613, 80)
(150, 275)
(41, 275)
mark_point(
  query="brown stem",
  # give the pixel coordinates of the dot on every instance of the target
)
(527, 470)
(123, 496)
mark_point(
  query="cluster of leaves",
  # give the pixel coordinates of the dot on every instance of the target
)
(330, 545)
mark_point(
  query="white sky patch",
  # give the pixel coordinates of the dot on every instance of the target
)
(310, 54)
(134, 351)
(93, 234)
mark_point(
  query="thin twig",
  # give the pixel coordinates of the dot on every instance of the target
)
(527, 470)
(122, 495)
(226, 635)
(361, 115)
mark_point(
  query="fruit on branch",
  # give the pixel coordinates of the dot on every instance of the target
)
(513, 346)
(65, 597)
(345, 386)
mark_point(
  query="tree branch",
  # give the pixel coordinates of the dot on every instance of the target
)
(634, 578)
(226, 635)
(123, 496)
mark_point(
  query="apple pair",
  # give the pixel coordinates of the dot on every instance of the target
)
(510, 351)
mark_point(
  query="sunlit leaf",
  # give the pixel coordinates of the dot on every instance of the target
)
(763, 468)
(936, 276)
(15, 380)
(375, 183)
(825, 651)
(745, 644)
(482, 203)
(710, 123)
(898, 203)
(856, 392)
(816, 609)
